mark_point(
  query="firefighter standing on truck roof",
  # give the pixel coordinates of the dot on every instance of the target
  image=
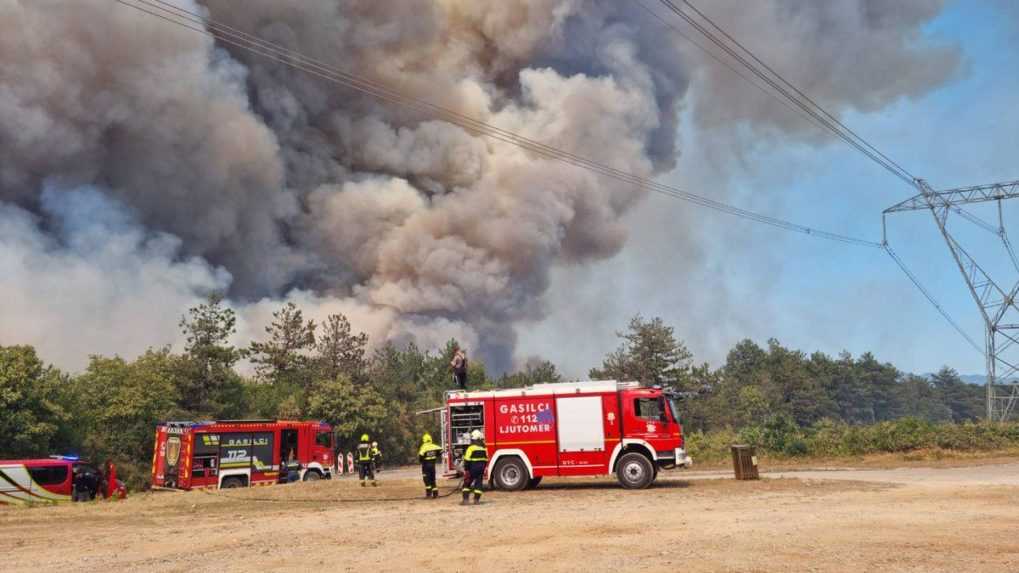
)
(459, 367)
(364, 461)
(428, 454)
(475, 460)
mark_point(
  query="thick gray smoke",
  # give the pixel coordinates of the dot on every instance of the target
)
(205, 167)
(861, 55)
(82, 277)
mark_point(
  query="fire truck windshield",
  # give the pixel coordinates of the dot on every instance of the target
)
(673, 409)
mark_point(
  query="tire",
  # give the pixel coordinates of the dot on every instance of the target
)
(232, 482)
(634, 471)
(312, 475)
(511, 475)
(533, 482)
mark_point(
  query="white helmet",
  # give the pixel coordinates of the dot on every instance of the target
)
(477, 435)
(375, 444)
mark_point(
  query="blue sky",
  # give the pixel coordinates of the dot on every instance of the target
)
(752, 281)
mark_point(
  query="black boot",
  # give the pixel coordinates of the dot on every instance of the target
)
(466, 498)
(435, 494)
(477, 499)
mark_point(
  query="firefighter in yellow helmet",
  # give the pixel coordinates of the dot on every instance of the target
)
(428, 454)
(475, 460)
(364, 461)
(376, 457)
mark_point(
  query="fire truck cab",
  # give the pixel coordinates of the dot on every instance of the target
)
(57, 478)
(239, 453)
(568, 429)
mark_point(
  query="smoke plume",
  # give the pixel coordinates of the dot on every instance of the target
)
(143, 165)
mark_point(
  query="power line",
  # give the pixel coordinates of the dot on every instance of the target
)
(255, 45)
(930, 298)
(776, 81)
(827, 120)
(729, 66)
(884, 161)
(803, 95)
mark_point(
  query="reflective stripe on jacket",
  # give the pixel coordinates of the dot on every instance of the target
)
(476, 453)
(428, 452)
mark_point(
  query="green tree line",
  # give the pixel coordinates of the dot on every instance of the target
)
(301, 370)
(305, 370)
(758, 383)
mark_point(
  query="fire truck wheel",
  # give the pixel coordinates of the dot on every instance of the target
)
(232, 482)
(635, 471)
(312, 475)
(511, 475)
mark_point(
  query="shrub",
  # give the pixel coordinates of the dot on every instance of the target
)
(779, 436)
(712, 446)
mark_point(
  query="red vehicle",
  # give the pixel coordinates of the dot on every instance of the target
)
(568, 429)
(239, 453)
(57, 478)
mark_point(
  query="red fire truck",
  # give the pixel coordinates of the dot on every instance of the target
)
(568, 429)
(239, 453)
(57, 478)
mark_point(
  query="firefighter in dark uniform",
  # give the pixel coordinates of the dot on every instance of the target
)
(428, 454)
(293, 468)
(475, 460)
(364, 461)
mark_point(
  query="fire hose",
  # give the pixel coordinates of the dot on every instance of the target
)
(220, 493)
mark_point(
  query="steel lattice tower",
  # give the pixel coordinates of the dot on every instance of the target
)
(997, 304)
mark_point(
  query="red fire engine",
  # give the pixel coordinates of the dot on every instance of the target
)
(57, 478)
(239, 453)
(568, 429)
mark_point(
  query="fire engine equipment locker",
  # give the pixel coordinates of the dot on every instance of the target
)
(580, 428)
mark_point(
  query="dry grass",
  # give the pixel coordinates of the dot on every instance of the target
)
(565, 525)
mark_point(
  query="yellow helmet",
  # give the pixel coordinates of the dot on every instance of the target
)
(426, 439)
(364, 437)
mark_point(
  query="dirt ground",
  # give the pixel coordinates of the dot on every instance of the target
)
(906, 519)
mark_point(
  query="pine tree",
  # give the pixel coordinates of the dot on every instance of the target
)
(283, 358)
(649, 353)
(209, 386)
(340, 351)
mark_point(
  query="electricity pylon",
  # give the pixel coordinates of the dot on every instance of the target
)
(997, 305)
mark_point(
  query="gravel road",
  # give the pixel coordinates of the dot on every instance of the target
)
(916, 520)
